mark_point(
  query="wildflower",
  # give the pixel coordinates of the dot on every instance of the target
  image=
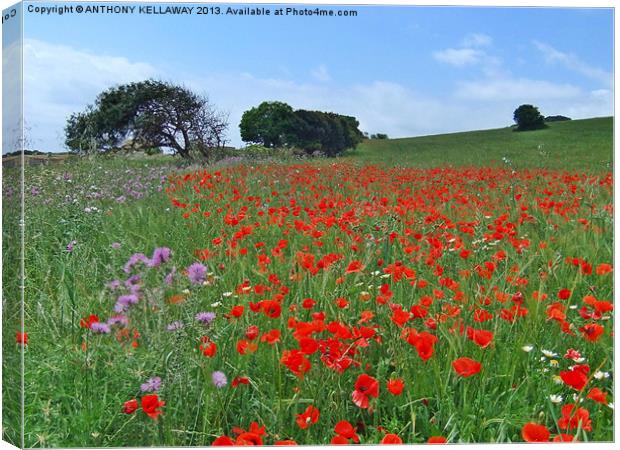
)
(130, 406)
(196, 273)
(597, 395)
(346, 430)
(205, 317)
(533, 432)
(101, 328)
(219, 379)
(437, 440)
(151, 404)
(308, 417)
(577, 377)
(151, 385)
(574, 418)
(115, 245)
(396, 386)
(70, 246)
(160, 256)
(21, 338)
(391, 438)
(135, 259)
(549, 354)
(174, 326)
(527, 348)
(86, 322)
(365, 386)
(600, 375)
(556, 398)
(572, 354)
(592, 331)
(466, 367)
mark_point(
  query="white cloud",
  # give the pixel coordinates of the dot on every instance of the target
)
(573, 63)
(11, 105)
(321, 73)
(60, 80)
(459, 57)
(520, 89)
(477, 40)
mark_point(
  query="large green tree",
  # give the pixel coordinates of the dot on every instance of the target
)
(270, 124)
(528, 117)
(276, 124)
(148, 114)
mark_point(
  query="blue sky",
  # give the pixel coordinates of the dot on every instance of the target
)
(404, 71)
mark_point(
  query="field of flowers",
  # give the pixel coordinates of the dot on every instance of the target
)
(312, 303)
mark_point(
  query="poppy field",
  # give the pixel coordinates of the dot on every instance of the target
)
(312, 302)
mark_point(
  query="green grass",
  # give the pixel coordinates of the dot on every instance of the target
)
(573, 145)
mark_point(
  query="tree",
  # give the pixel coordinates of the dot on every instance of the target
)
(528, 117)
(275, 124)
(270, 124)
(148, 114)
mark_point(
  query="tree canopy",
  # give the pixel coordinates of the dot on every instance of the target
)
(528, 117)
(276, 124)
(148, 114)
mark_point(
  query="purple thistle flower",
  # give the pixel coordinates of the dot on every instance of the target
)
(151, 385)
(170, 277)
(124, 302)
(219, 379)
(70, 246)
(205, 317)
(113, 285)
(132, 281)
(118, 319)
(174, 326)
(196, 273)
(101, 328)
(160, 256)
(116, 245)
(135, 259)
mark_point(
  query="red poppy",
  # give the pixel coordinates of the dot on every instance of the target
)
(251, 332)
(597, 395)
(592, 331)
(240, 380)
(285, 442)
(391, 438)
(308, 417)
(564, 294)
(574, 418)
(396, 386)
(423, 342)
(603, 269)
(271, 337)
(208, 348)
(130, 406)
(365, 386)
(437, 440)
(354, 266)
(533, 432)
(346, 430)
(339, 440)
(222, 441)
(151, 404)
(466, 367)
(562, 437)
(481, 338)
(576, 378)
(86, 322)
(21, 338)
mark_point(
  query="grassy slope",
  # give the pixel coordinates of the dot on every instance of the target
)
(576, 145)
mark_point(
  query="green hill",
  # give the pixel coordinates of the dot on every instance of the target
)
(575, 145)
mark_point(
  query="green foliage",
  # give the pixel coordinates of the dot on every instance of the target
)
(275, 124)
(528, 117)
(147, 114)
(269, 124)
(379, 136)
(556, 118)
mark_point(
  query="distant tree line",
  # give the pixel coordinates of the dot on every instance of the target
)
(528, 117)
(276, 124)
